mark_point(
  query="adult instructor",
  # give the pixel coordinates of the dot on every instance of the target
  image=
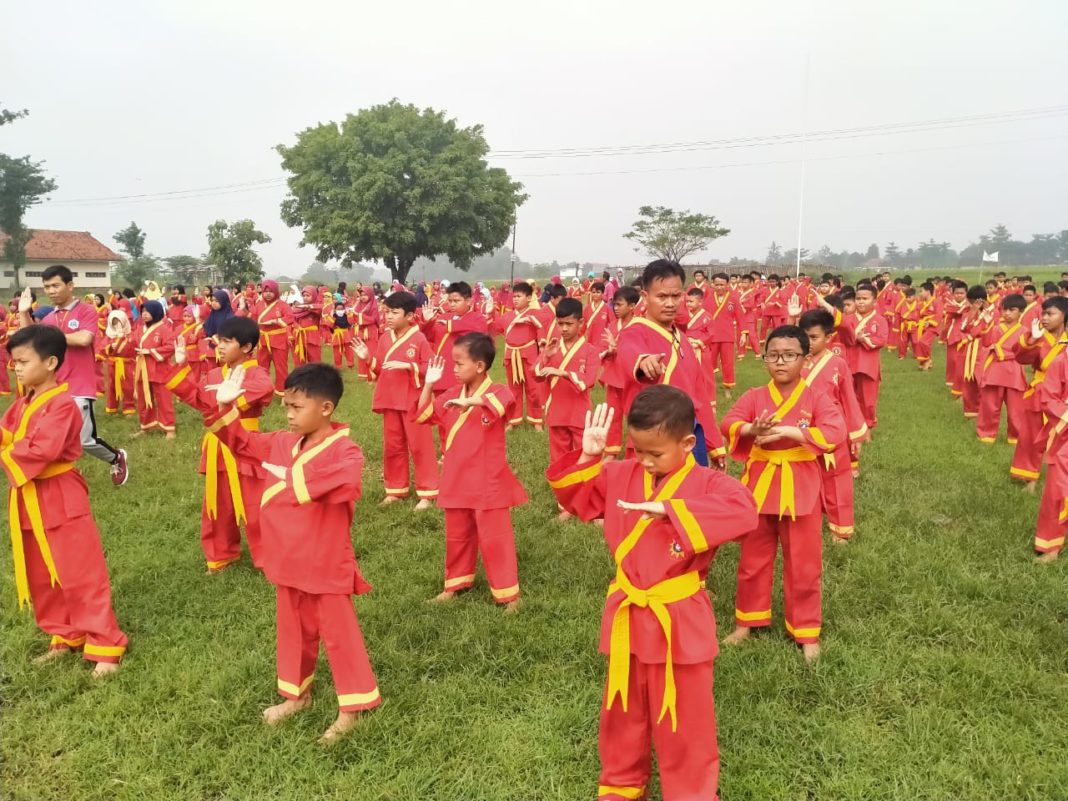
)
(78, 322)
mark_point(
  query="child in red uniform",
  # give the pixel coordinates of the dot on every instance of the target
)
(155, 345)
(120, 354)
(191, 333)
(975, 323)
(747, 312)
(664, 516)
(275, 320)
(341, 336)
(1053, 512)
(1001, 381)
(521, 329)
(478, 487)
(397, 370)
(828, 374)
(58, 561)
(780, 430)
(862, 335)
(309, 499)
(598, 316)
(307, 325)
(365, 322)
(699, 324)
(955, 307)
(722, 304)
(928, 315)
(232, 488)
(624, 303)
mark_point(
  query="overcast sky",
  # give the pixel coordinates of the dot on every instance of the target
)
(132, 98)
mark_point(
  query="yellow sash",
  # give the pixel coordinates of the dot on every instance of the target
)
(478, 393)
(673, 357)
(120, 375)
(141, 368)
(779, 461)
(213, 448)
(513, 352)
(564, 362)
(999, 346)
(655, 598)
(1043, 366)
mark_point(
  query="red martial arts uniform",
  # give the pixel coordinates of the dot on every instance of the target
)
(120, 354)
(275, 320)
(954, 316)
(1053, 511)
(862, 357)
(521, 331)
(926, 330)
(1027, 457)
(567, 399)
(747, 330)
(444, 332)
(195, 351)
(974, 328)
(477, 489)
(307, 331)
(307, 555)
(58, 560)
(1001, 383)
(365, 323)
(615, 381)
(598, 317)
(784, 478)
(698, 330)
(773, 311)
(829, 375)
(724, 310)
(396, 394)
(151, 371)
(660, 665)
(232, 488)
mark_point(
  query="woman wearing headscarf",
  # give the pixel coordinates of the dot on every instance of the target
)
(155, 346)
(102, 310)
(221, 311)
(5, 379)
(275, 320)
(307, 328)
(365, 324)
(152, 291)
(421, 298)
(120, 351)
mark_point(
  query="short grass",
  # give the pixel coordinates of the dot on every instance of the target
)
(943, 674)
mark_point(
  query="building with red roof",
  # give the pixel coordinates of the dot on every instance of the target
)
(90, 260)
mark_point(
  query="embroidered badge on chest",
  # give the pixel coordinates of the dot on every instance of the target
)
(410, 353)
(73, 325)
(676, 552)
(485, 420)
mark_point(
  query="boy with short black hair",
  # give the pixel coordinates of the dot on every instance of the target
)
(312, 487)
(521, 329)
(664, 516)
(478, 488)
(58, 560)
(862, 335)
(1002, 381)
(597, 315)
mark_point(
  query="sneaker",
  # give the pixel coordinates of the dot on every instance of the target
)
(120, 471)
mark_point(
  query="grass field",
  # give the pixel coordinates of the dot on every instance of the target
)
(943, 673)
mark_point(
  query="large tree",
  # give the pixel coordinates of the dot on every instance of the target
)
(668, 234)
(131, 241)
(230, 249)
(395, 183)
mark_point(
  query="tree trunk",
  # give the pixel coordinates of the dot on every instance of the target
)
(400, 270)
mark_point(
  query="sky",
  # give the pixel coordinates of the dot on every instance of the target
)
(150, 98)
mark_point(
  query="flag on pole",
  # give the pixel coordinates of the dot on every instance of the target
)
(990, 257)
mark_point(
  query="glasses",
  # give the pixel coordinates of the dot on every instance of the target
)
(788, 357)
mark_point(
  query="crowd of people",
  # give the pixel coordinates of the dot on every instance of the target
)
(646, 465)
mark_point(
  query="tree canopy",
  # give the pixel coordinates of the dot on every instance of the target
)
(230, 249)
(394, 183)
(668, 234)
(131, 241)
(22, 185)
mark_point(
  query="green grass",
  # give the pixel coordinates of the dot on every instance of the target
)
(943, 675)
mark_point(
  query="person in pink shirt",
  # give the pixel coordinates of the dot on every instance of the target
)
(78, 322)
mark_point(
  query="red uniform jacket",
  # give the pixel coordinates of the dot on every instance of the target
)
(1000, 368)
(724, 310)
(121, 348)
(522, 330)
(767, 466)
(399, 389)
(474, 471)
(1041, 356)
(705, 508)
(445, 331)
(747, 306)
(598, 317)
(195, 342)
(1052, 396)
(306, 518)
(274, 319)
(568, 399)
(699, 330)
(829, 375)
(614, 375)
(159, 339)
(861, 357)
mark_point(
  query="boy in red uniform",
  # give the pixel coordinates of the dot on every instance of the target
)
(307, 328)
(955, 307)
(478, 487)
(598, 316)
(780, 430)
(309, 499)
(275, 320)
(975, 323)
(1002, 381)
(828, 374)
(624, 302)
(155, 346)
(928, 314)
(232, 488)
(397, 371)
(521, 329)
(664, 516)
(747, 312)
(1053, 512)
(699, 323)
(58, 561)
(722, 304)
(119, 352)
(863, 334)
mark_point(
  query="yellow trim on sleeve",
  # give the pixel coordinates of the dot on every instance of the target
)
(224, 421)
(496, 404)
(578, 476)
(690, 526)
(178, 378)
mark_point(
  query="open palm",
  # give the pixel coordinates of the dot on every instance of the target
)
(595, 432)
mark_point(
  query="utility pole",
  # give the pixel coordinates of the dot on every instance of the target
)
(511, 277)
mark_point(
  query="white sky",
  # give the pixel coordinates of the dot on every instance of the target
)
(151, 97)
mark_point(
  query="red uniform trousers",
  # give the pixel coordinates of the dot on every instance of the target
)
(280, 358)
(724, 353)
(469, 532)
(98, 370)
(955, 370)
(613, 396)
(688, 757)
(802, 568)
(303, 620)
(221, 538)
(371, 341)
(904, 339)
(563, 440)
(161, 414)
(752, 341)
(529, 390)
(893, 339)
(1030, 447)
(77, 611)
(922, 345)
(838, 494)
(400, 437)
(341, 343)
(991, 399)
(867, 392)
(1049, 533)
(111, 404)
(970, 392)
(313, 354)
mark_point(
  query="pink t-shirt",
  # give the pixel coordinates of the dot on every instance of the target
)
(78, 368)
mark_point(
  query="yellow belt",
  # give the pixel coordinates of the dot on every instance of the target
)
(141, 375)
(519, 372)
(777, 461)
(213, 448)
(656, 599)
(28, 492)
(971, 356)
(120, 374)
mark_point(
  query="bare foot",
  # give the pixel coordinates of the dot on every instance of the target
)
(389, 500)
(839, 540)
(563, 516)
(443, 597)
(599, 522)
(1029, 487)
(137, 434)
(727, 393)
(50, 655)
(856, 474)
(511, 607)
(738, 636)
(508, 428)
(538, 427)
(345, 722)
(811, 652)
(273, 715)
(171, 435)
(1046, 558)
(424, 503)
(104, 669)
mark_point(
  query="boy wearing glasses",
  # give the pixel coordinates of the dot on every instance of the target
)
(780, 430)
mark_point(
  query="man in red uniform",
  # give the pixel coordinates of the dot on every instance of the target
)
(863, 334)
(478, 488)
(780, 430)
(276, 321)
(397, 371)
(664, 516)
(58, 560)
(773, 308)
(928, 314)
(521, 329)
(722, 304)
(955, 307)
(1001, 380)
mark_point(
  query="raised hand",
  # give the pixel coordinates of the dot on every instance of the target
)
(462, 403)
(393, 364)
(435, 369)
(763, 426)
(552, 348)
(652, 366)
(793, 306)
(275, 470)
(1036, 329)
(180, 354)
(362, 351)
(231, 387)
(26, 300)
(595, 432)
(609, 341)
